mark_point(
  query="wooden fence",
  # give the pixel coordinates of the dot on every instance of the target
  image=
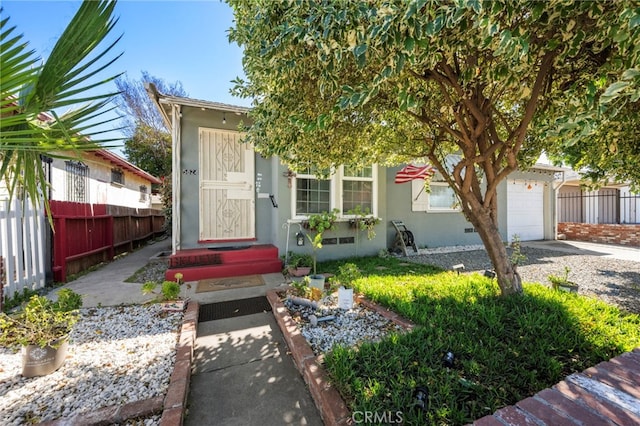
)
(88, 234)
(22, 236)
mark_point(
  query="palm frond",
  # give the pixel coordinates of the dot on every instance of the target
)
(31, 94)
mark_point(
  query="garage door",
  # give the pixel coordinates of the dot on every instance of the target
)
(525, 211)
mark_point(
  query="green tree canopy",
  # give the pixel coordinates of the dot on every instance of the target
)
(351, 82)
(31, 93)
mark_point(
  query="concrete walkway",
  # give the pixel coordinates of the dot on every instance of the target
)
(590, 249)
(242, 373)
(107, 287)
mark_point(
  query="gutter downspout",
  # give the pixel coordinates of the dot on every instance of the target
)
(176, 115)
(555, 203)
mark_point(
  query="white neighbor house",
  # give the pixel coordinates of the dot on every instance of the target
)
(101, 177)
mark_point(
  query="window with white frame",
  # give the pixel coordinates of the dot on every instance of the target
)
(312, 195)
(357, 189)
(441, 198)
(346, 189)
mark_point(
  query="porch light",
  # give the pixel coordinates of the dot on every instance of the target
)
(300, 238)
(224, 118)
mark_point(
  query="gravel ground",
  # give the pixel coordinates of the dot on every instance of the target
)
(344, 327)
(614, 281)
(116, 355)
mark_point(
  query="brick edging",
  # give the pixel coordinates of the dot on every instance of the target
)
(333, 409)
(175, 401)
(603, 394)
(172, 405)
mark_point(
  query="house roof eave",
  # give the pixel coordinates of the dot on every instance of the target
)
(164, 101)
(121, 162)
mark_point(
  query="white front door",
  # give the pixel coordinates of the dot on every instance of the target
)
(227, 196)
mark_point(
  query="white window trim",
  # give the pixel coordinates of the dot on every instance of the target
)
(335, 188)
(374, 188)
(294, 194)
(420, 199)
(442, 209)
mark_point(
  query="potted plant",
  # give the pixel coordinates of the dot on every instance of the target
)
(299, 264)
(561, 282)
(42, 328)
(319, 223)
(364, 221)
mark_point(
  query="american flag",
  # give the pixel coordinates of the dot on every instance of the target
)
(411, 172)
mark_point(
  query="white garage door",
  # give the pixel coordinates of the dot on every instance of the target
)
(525, 211)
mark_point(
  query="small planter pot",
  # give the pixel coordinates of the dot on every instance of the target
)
(300, 271)
(568, 287)
(38, 361)
(316, 281)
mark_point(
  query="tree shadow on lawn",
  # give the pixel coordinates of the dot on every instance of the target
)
(505, 350)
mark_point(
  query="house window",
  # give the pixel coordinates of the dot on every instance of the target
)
(77, 181)
(143, 193)
(312, 195)
(442, 198)
(346, 189)
(117, 176)
(357, 189)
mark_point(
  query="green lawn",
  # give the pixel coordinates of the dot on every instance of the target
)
(506, 349)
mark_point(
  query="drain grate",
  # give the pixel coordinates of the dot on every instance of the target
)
(233, 308)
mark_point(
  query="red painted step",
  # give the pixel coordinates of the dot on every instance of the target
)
(202, 263)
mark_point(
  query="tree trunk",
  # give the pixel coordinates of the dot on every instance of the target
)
(508, 278)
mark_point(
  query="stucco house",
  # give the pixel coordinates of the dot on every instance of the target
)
(236, 212)
(100, 177)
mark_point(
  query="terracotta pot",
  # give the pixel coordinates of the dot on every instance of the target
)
(300, 271)
(39, 361)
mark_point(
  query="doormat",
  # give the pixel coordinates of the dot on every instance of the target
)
(216, 284)
(233, 308)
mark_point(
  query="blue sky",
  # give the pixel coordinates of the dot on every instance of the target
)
(182, 41)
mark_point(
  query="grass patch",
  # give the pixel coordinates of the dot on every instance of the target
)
(506, 348)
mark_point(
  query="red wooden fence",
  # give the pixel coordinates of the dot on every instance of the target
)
(88, 234)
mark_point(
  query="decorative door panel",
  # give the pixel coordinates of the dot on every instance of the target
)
(227, 195)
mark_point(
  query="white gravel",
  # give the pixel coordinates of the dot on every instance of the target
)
(116, 355)
(348, 327)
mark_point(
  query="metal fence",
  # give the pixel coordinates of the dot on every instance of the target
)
(607, 206)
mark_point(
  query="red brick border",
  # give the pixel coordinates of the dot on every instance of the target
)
(608, 393)
(175, 402)
(172, 405)
(333, 409)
